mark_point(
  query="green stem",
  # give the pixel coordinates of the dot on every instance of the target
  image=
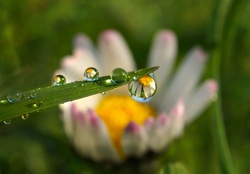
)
(219, 133)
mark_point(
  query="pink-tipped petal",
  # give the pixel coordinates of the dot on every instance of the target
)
(159, 137)
(163, 53)
(177, 120)
(134, 142)
(185, 79)
(115, 52)
(100, 146)
(200, 99)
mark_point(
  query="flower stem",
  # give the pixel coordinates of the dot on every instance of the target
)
(218, 128)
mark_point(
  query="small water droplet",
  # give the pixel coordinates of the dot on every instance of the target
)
(115, 89)
(118, 75)
(91, 74)
(33, 94)
(25, 116)
(37, 104)
(103, 93)
(7, 121)
(143, 89)
(14, 96)
(59, 80)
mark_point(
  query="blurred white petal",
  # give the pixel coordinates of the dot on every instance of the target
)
(163, 53)
(159, 134)
(184, 79)
(102, 145)
(200, 99)
(115, 52)
(134, 142)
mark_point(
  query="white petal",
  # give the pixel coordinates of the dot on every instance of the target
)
(198, 101)
(102, 145)
(159, 136)
(185, 79)
(115, 52)
(163, 53)
(134, 142)
(177, 120)
(67, 119)
(82, 134)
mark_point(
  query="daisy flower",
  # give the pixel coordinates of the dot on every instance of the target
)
(113, 127)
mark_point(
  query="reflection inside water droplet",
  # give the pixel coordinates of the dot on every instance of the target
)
(14, 96)
(118, 75)
(59, 80)
(7, 121)
(91, 74)
(143, 89)
(25, 116)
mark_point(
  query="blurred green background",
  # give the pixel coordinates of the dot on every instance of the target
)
(36, 34)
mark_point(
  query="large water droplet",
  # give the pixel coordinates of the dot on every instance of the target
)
(59, 80)
(119, 75)
(143, 89)
(7, 121)
(91, 74)
(25, 116)
(14, 96)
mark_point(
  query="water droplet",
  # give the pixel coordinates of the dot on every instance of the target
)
(33, 94)
(103, 93)
(14, 96)
(25, 116)
(7, 121)
(143, 89)
(115, 89)
(119, 75)
(37, 104)
(59, 80)
(91, 74)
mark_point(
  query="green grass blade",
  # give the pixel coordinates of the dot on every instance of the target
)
(53, 95)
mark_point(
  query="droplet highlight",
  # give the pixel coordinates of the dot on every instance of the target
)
(2, 102)
(119, 75)
(14, 96)
(143, 89)
(25, 116)
(7, 121)
(59, 80)
(91, 74)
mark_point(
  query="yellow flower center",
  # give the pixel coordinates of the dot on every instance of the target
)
(145, 80)
(117, 111)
